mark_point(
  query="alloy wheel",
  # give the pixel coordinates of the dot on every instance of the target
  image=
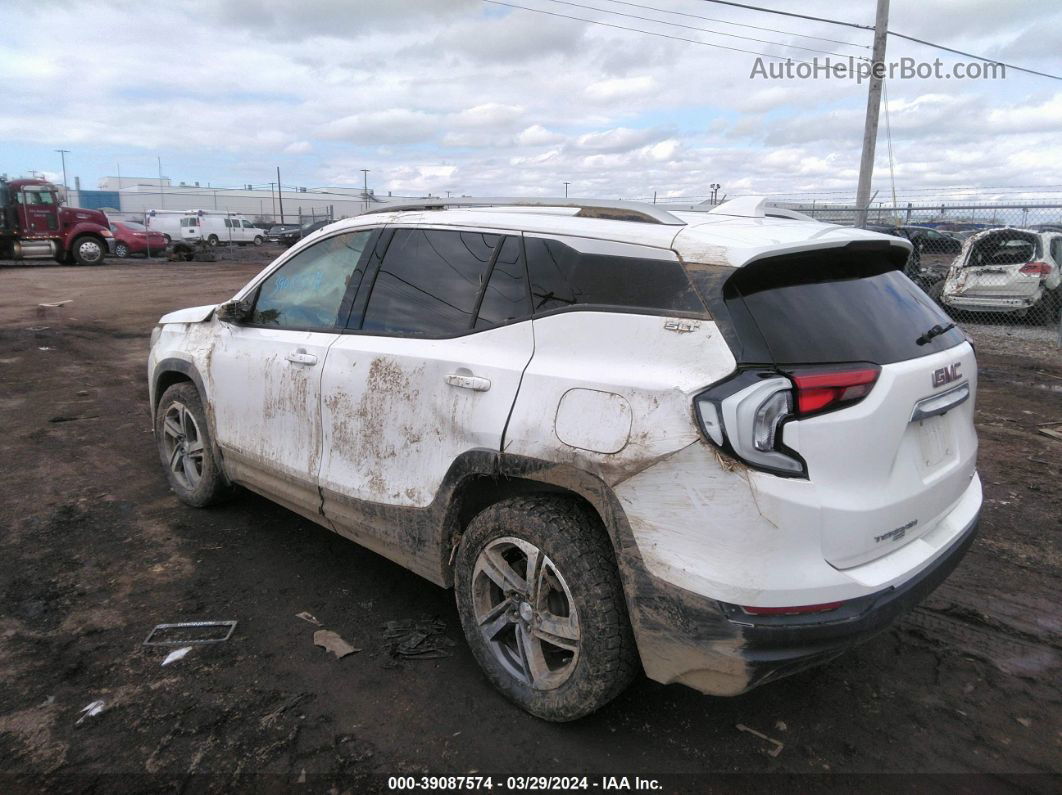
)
(183, 445)
(526, 613)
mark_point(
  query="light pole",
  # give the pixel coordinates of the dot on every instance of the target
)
(62, 154)
(566, 184)
(365, 189)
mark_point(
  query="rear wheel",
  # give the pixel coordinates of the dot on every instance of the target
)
(186, 449)
(542, 607)
(213, 241)
(88, 250)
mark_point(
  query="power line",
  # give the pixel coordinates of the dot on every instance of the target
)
(737, 24)
(891, 33)
(639, 30)
(692, 27)
(975, 57)
(791, 14)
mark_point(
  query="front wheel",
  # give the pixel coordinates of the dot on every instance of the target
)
(258, 240)
(88, 250)
(121, 250)
(542, 607)
(186, 449)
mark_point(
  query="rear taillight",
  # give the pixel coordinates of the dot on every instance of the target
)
(1036, 268)
(819, 390)
(745, 416)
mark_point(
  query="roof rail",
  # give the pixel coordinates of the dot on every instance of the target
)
(588, 208)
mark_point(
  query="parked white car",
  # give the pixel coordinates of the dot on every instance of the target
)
(1015, 271)
(220, 229)
(721, 447)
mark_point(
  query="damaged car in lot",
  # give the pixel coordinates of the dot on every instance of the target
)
(718, 446)
(1011, 271)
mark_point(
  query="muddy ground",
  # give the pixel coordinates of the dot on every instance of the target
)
(95, 550)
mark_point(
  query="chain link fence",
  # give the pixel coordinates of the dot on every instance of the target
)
(995, 269)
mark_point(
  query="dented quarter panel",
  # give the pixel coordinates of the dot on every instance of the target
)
(652, 369)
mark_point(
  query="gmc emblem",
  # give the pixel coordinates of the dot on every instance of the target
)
(945, 375)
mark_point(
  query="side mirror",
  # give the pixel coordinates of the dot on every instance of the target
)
(234, 311)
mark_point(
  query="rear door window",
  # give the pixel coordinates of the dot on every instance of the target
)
(429, 282)
(579, 272)
(506, 298)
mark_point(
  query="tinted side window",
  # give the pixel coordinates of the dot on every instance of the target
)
(428, 282)
(308, 290)
(506, 298)
(562, 276)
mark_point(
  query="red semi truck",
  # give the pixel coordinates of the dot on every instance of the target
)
(35, 225)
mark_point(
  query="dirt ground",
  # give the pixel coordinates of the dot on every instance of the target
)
(95, 550)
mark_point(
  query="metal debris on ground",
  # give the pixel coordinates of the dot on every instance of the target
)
(185, 629)
(417, 640)
(176, 654)
(1052, 429)
(330, 641)
(778, 745)
(308, 617)
(91, 711)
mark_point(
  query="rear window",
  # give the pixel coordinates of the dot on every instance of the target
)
(825, 307)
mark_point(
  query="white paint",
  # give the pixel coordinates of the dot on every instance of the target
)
(393, 420)
(593, 420)
(195, 314)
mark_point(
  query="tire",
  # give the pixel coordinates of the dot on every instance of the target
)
(121, 250)
(258, 240)
(578, 591)
(186, 448)
(168, 239)
(1048, 310)
(213, 241)
(88, 250)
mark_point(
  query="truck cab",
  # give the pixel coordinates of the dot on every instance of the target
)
(34, 224)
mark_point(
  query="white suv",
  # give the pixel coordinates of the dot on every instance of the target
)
(723, 445)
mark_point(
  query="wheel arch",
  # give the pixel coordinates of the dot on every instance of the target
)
(517, 476)
(173, 371)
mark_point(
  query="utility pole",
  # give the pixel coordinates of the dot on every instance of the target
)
(280, 195)
(162, 192)
(273, 199)
(63, 153)
(566, 184)
(870, 130)
(365, 189)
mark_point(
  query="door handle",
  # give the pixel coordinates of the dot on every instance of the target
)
(302, 357)
(473, 382)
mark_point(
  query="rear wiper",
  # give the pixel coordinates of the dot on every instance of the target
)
(936, 331)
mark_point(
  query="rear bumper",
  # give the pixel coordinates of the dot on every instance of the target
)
(776, 646)
(983, 303)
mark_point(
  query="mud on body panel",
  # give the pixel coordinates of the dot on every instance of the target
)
(622, 398)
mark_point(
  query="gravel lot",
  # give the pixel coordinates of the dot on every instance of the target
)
(95, 550)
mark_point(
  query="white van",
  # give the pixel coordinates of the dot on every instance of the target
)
(220, 229)
(168, 222)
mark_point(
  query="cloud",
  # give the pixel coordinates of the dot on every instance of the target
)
(619, 139)
(395, 125)
(621, 88)
(537, 135)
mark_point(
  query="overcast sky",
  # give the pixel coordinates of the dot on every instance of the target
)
(484, 99)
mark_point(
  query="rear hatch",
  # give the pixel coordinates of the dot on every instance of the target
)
(886, 464)
(997, 266)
